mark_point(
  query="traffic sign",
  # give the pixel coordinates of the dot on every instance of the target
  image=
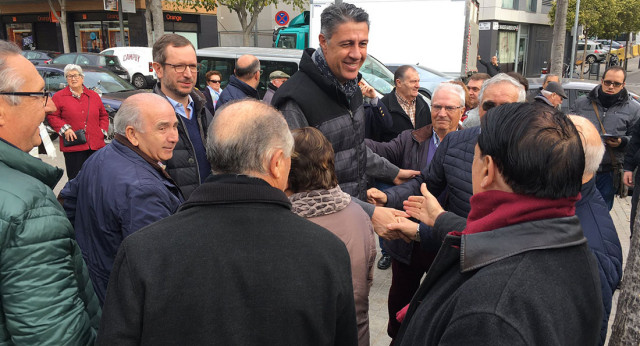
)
(282, 18)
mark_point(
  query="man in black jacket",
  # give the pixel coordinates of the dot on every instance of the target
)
(244, 83)
(204, 275)
(408, 110)
(174, 59)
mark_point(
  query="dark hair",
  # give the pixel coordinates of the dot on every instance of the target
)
(616, 68)
(520, 78)
(212, 73)
(401, 71)
(537, 149)
(479, 76)
(159, 50)
(312, 161)
(546, 77)
(337, 14)
(243, 72)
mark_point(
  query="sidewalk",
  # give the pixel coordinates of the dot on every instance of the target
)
(382, 278)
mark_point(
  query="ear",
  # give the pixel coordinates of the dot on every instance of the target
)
(488, 172)
(3, 112)
(158, 68)
(323, 42)
(276, 162)
(131, 134)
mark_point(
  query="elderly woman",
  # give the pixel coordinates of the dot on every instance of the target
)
(314, 194)
(78, 108)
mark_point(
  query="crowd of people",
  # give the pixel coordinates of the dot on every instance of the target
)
(215, 216)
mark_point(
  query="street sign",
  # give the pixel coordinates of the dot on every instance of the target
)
(282, 18)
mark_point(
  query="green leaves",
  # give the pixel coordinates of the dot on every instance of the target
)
(603, 18)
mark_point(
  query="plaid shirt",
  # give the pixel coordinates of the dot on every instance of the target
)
(408, 107)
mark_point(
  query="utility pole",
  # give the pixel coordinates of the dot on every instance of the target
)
(124, 44)
(559, 34)
(574, 40)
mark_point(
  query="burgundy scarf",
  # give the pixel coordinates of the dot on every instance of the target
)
(496, 209)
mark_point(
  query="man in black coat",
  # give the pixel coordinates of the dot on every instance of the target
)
(244, 83)
(206, 275)
(408, 110)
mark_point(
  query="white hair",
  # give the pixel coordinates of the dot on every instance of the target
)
(72, 67)
(454, 88)
(546, 93)
(503, 78)
(10, 79)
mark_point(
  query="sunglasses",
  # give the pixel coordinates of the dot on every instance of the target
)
(609, 83)
(488, 105)
(214, 81)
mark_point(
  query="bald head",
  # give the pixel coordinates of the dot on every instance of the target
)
(248, 69)
(136, 108)
(592, 145)
(244, 137)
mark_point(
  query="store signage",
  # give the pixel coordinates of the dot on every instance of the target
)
(508, 27)
(173, 17)
(112, 16)
(484, 26)
(131, 57)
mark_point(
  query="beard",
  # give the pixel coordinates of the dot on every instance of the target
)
(173, 86)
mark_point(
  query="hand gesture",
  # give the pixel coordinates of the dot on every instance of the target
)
(376, 197)
(424, 208)
(407, 227)
(368, 91)
(382, 217)
(405, 175)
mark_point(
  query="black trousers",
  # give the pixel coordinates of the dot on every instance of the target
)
(74, 160)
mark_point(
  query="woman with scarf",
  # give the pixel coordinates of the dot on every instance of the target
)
(314, 194)
(80, 113)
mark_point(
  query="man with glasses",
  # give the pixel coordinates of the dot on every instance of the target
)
(174, 59)
(213, 90)
(244, 83)
(47, 297)
(613, 112)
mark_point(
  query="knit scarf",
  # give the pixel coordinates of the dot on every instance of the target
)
(349, 88)
(609, 100)
(494, 209)
(319, 202)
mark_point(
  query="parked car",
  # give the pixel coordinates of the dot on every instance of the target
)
(595, 52)
(614, 44)
(138, 62)
(111, 88)
(429, 78)
(110, 62)
(38, 57)
(574, 88)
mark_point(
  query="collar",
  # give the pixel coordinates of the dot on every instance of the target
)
(22, 162)
(155, 164)
(422, 134)
(623, 95)
(179, 107)
(401, 100)
(349, 88)
(213, 90)
(221, 189)
(544, 99)
(319, 202)
(244, 87)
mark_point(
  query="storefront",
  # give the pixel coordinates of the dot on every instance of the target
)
(95, 32)
(34, 31)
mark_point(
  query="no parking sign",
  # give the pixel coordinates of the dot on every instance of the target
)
(282, 18)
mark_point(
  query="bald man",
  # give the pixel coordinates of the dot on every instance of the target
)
(124, 186)
(595, 220)
(244, 83)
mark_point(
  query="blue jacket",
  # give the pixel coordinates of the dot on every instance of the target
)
(603, 241)
(115, 194)
(236, 90)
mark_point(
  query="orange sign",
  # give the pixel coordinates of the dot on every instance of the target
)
(54, 19)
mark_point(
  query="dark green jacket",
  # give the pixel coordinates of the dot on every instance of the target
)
(46, 294)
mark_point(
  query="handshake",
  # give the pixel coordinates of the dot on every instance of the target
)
(393, 224)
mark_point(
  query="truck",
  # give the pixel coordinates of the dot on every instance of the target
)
(439, 34)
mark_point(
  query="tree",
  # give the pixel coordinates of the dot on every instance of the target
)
(247, 10)
(559, 35)
(62, 20)
(155, 7)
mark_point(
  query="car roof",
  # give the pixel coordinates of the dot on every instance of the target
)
(61, 67)
(234, 52)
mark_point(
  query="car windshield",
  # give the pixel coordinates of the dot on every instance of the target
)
(431, 75)
(105, 81)
(377, 75)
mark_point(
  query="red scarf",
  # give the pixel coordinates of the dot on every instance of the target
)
(496, 209)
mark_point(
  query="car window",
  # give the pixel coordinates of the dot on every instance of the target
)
(83, 60)
(287, 41)
(108, 52)
(377, 75)
(65, 59)
(105, 81)
(109, 61)
(31, 55)
(223, 65)
(55, 81)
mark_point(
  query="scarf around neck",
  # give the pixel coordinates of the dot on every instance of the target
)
(609, 100)
(319, 202)
(494, 209)
(349, 88)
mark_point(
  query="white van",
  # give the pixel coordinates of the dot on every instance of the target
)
(223, 59)
(138, 62)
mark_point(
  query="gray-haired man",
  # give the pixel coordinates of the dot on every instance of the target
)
(124, 186)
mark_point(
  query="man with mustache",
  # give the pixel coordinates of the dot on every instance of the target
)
(124, 186)
(174, 59)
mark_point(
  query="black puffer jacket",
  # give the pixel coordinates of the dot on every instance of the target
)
(183, 166)
(236, 90)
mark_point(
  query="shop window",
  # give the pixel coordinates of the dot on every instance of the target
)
(507, 46)
(22, 35)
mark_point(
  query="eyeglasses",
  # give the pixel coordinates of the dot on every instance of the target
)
(44, 94)
(181, 68)
(448, 109)
(74, 76)
(214, 81)
(609, 83)
(488, 105)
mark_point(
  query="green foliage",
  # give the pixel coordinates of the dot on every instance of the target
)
(603, 18)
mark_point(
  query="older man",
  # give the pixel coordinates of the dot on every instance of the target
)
(492, 67)
(552, 95)
(503, 276)
(407, 110)
(174, 59)
(124, 187)
(613, 112)
(276, 79)
(324, 94)
(244, 83)
(414, 149)
(46, 291)
(217, 248)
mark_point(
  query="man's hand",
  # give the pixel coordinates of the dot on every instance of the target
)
(368, 91)
(424, 208)
(407, 227)
(376, 197)
(627, 179)
(70, 135)
(405, 175)
(613, 142)
(381, 219)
